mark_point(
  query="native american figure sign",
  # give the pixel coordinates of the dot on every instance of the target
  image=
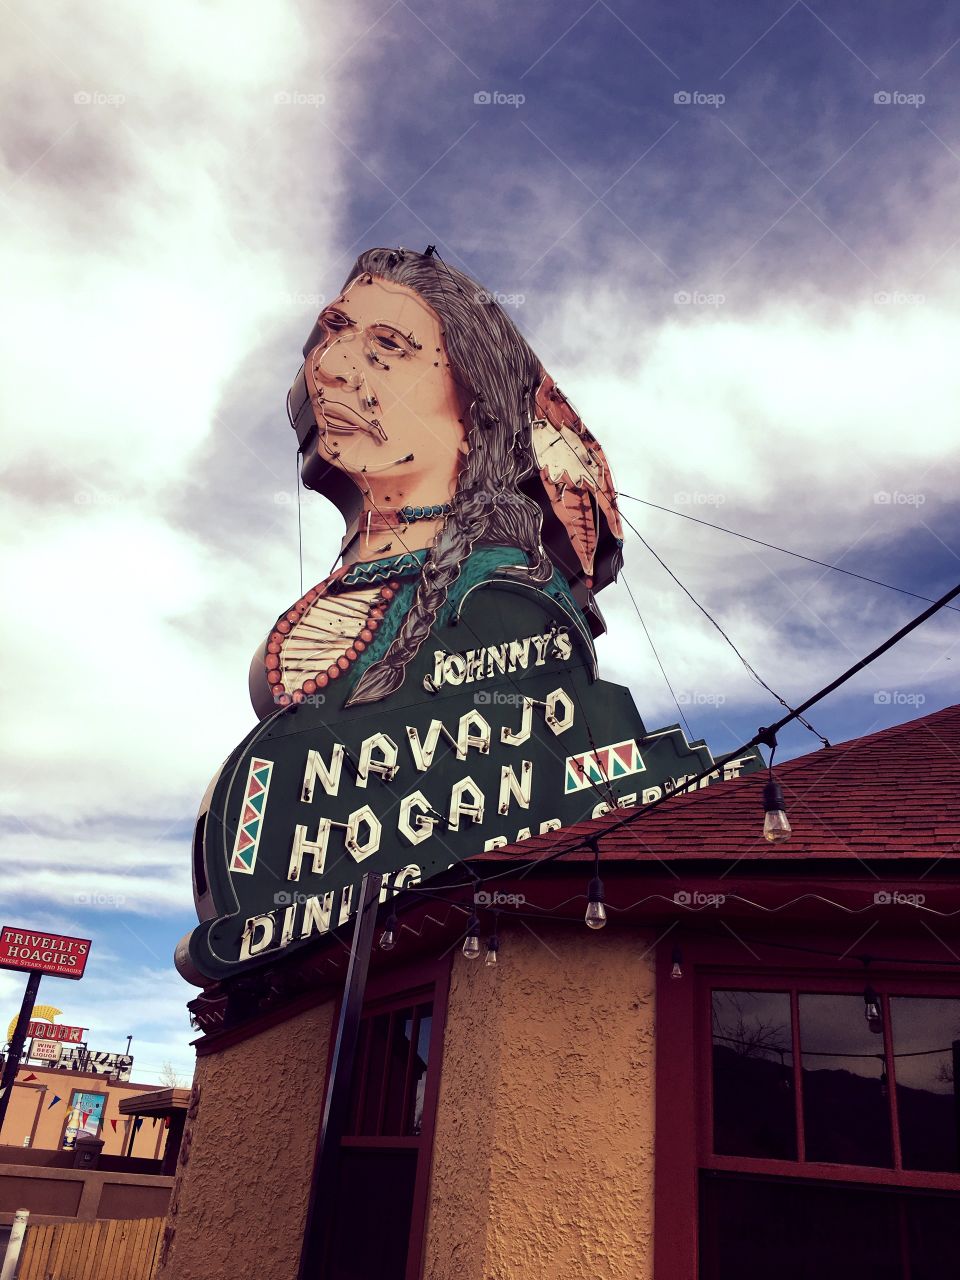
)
(437, 694)
(454, 458)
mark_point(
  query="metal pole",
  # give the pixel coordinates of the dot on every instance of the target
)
(16, 1045)
(320, 1211)
(11, 1258)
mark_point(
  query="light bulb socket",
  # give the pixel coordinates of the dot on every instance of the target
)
(595, 890)
(773, 796)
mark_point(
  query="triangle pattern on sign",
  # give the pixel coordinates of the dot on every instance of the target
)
(244, 840)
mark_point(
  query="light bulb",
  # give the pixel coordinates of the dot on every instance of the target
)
(388, 939)
(595, 915)
(676, 970)
(872, 1011)
(471, 943)
(490, 959)
(776, 824)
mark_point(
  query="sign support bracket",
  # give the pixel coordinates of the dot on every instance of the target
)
(12, 1063)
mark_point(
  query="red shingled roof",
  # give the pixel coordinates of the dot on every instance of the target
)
(892, 794)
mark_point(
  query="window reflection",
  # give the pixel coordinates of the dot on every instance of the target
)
(926, 1047)
(845, 1097)
(753, 1103)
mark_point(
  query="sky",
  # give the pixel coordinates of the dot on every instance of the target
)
(730, 235)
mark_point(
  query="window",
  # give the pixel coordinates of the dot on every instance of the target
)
(385, 1153)
(832, 1114)
(803, 1131)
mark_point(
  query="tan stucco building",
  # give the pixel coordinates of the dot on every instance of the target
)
(748, 1071)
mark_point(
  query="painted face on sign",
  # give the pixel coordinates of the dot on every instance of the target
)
(387, 408)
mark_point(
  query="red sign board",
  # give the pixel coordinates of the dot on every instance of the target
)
(55, 1031)
(49, 953)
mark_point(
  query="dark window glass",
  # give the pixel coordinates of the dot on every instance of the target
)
(753, 1229)
(373, 1214)
(753, 1100)
(846, 1113)
(377, 1047)
(926, 1036)
(397, 1069)
(418, 1079)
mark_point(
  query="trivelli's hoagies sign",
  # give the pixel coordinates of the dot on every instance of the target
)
(437, 694)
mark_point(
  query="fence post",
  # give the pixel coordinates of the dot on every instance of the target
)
(11, 1258)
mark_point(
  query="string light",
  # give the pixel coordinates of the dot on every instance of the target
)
(676, 969)
(596, 913)
(776, 824)
(471, 943)
(872, 1011)
(493, 946)
(388, 939)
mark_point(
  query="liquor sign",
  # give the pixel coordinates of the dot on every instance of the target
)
(437, 695)
(46, 1050)
(56, 1031)
(52, 954)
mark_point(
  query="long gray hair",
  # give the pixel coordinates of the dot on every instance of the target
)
(498, 375)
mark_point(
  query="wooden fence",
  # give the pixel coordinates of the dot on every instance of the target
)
(114, 1249)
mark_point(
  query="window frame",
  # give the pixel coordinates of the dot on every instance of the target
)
(388, 990)
(684, 1074)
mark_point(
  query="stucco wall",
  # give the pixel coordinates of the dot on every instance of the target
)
(543, 1159)
(240, 1198)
